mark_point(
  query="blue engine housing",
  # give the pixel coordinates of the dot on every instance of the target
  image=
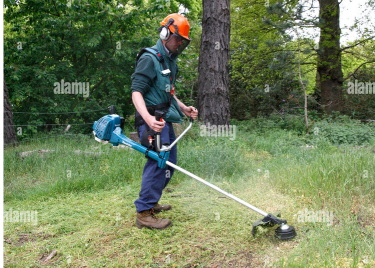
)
(106, 125)
(108, 129)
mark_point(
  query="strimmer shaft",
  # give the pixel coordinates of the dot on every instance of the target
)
(217, 189)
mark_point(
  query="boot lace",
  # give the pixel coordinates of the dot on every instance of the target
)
(152, 213)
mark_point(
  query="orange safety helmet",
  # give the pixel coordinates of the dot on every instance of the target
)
(180, 23)
(179, 26)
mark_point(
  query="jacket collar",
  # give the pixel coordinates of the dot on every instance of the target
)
(161, 49)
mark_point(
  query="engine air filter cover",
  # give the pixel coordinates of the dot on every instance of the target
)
(106, 125)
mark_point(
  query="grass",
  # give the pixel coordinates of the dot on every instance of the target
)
(89, 216)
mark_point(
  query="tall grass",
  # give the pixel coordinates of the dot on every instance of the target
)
(328, 176)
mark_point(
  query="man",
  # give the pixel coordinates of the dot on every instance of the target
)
(153, 89)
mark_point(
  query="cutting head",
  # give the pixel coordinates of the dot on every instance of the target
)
(283, 232)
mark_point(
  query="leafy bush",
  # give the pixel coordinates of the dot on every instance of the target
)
(360, 106)
(261, 125)
(344, 131)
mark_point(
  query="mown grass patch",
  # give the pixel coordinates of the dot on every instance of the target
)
(89, 217)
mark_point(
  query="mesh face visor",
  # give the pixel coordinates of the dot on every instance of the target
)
(180, 42)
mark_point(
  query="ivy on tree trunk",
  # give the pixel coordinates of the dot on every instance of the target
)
(329, 73)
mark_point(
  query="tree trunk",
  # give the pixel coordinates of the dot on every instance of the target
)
(9, 132)
(329, 59)
(213, 81)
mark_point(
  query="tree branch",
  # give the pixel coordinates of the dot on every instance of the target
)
(98, 84)
(54, 3)
(300, 79)
(57, 15)
(360, 42)
(358, 69)
(81, 71)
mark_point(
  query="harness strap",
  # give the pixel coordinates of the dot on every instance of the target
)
(151, 110)
(154, 52)
(162, 106)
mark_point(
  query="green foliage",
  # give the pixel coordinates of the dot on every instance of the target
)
(261, 125)
(343, 130)
(359, 106)
(93, 42)
(264, 67)
(264, 60)
(331, 130)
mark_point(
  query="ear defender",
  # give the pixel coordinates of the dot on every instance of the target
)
(165, 33)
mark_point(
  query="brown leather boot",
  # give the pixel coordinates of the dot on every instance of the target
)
(148, 219)
(158, 208)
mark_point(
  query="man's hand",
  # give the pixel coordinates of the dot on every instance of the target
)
(154, 124)
(191, 111)
(140, 105)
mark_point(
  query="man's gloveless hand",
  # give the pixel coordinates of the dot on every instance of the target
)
(191, 111)
(154, 124)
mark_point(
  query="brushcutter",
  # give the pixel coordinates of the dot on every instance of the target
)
(108, 130)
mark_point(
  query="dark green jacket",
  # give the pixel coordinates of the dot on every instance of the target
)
(154, 86)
